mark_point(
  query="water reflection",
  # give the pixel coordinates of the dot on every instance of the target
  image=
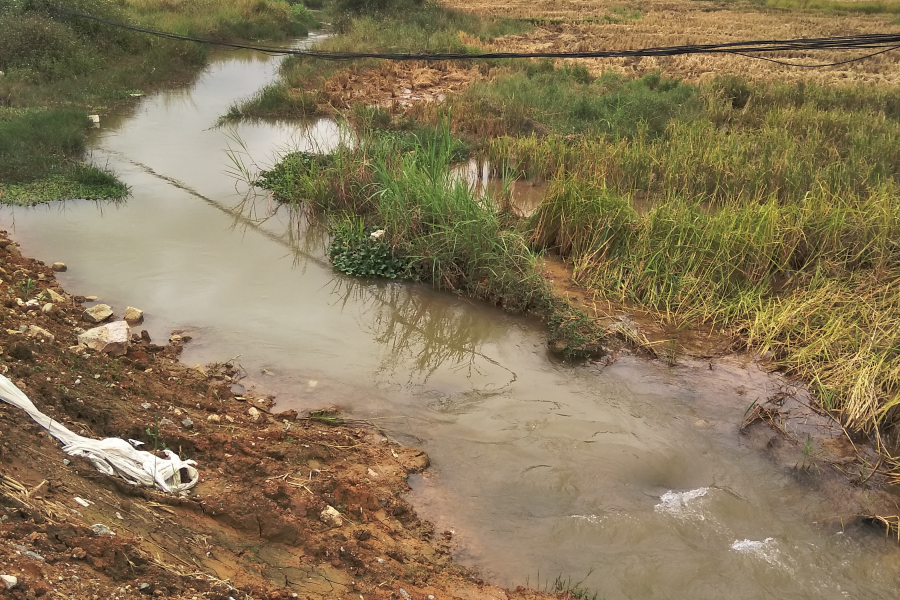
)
(418, 336)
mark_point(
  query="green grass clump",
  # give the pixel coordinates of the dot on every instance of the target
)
(80, 181)
(360, 251)
(451, 237)
(538, 97)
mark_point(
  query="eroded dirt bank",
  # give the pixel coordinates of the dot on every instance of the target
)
(252, 528)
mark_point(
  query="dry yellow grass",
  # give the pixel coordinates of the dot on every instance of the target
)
(679, 22)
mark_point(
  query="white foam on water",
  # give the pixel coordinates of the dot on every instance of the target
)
(682, 504)
(588, 518)
(766, 550)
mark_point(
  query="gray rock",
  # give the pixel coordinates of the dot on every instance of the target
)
(134, 316)
(59, 267)
(9, 581)
(188, 424)
(97, 314)
(114, 338)
(101, 529)
(146, 406)
(26, 552)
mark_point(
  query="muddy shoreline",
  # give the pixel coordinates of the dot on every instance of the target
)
(252, 528)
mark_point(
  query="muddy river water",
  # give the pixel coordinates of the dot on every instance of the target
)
(631, 477)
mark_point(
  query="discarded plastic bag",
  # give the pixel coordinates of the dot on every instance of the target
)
(113, 456)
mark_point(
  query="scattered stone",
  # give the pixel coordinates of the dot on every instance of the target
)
(114, 338)
(254, 414)
(134, 316)
(164, 421)
(97, 314)
(213, 418)
(82, 502)
(35, 331)
(146, 406)
(49, 308)
(78, 553)
(54, 296)
(11, 248)
(91, 298)
(101, 529)
(145, 335)
(67, 462)
(145, 588)
(331, 516)
(59, 267)
(9, 581)
(188, 424)
(229, 418)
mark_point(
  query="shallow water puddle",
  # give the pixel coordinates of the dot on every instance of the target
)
(634, 473)
(524, 196)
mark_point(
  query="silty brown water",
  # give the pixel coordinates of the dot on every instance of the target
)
(632, 476)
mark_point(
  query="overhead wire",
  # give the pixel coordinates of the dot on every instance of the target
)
(881, 43)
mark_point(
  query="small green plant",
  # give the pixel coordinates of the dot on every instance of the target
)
(153, 433)
(564, 588)
(806, 461)
(27, 287)
(362, 252)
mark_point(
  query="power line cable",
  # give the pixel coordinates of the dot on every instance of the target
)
(880, 42)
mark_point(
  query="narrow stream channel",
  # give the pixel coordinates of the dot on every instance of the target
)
(631, 477)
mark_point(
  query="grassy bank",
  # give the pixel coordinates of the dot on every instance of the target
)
(58, 69)
(771, 211)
